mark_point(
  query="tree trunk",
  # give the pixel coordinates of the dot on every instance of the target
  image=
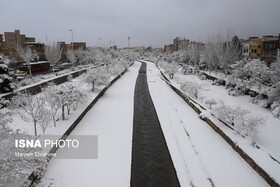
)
(93, 86)
(54, 122)
(68, 109)
(63, 116)
(35, 128)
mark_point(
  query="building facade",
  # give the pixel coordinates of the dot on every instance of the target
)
(246, 49)
(270, 47)
(180, 43)
(168, 48)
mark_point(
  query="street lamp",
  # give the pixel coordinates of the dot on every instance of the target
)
(71, 30)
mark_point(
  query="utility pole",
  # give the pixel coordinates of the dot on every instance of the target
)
(278, 56)
(71, 30)
(129, 42)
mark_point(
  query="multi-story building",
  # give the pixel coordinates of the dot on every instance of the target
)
(13, 40)
(264, 48)
(180, 43)
(256, 48)
(246, 48)
(168, 48)
(270, 47)
(38, 47)
(77, 45)
(1, 41)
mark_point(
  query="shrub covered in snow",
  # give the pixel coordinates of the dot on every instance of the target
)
(248, 125)
(243, 121)
(169, 68)
(15, 170)
(192, 89)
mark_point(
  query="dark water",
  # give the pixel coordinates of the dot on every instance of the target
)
(151, 161)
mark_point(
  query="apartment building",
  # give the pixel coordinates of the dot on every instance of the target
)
(180, 43)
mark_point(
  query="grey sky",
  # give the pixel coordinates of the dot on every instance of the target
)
(147, 22)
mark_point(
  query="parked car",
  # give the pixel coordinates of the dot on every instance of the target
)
(20, 75)
(55, 69)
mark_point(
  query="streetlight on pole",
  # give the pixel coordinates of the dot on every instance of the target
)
(128, 42)
(71, 30)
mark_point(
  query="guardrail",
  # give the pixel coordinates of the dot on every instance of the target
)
(34, 176)
(235, 147)
(37, 88)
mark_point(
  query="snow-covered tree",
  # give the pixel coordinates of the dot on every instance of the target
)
(230, 52)
(5, 81)
(229, 114)
(35, 56)
(97, 77)
(71, 57)
(211, 56)
(192, 89)
(29, 107)
(53, 100)
(4, 114)
(15, 170)
(117, 66)
(170, 68)
(257, 72)
(27, 56)
(210, 102)
(248, 125)
(53, 54)
(46, 117)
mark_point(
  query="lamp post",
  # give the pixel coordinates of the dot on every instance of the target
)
(71, 30)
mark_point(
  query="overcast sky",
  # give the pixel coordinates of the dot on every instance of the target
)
(147, 22)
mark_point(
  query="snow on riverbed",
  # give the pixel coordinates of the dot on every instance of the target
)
(111, 119)
(199, 154)
(268, 135)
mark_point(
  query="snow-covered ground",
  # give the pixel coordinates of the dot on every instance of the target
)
(22, 126)
(199, 154)
(111, 119)
(268, 135)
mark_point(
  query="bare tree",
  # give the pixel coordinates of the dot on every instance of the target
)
(27, 56)
(53, 54)
(53, 100)
(210, 102)
(45, 118)
(71, 57)
(29, 107)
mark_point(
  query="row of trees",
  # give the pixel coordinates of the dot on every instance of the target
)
(42, 108)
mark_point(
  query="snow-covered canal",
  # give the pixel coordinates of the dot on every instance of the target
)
(111, 119)
(200, 156)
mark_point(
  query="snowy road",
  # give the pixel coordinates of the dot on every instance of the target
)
(111, 119)
(200, 156)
